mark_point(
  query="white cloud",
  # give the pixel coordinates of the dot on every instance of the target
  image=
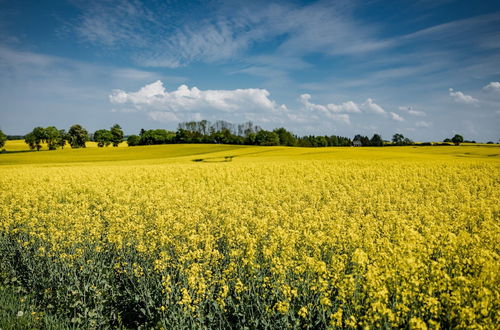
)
(410, 110)
(340, 112)
(185, 102)
(374, 107)
(423, 124)
(333, 111)
(348, 106)
(396, 117)
(493, 86)
(460, 97)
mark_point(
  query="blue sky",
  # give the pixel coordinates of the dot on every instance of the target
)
(426, 69)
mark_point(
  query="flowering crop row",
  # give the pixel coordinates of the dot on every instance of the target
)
(282, 243)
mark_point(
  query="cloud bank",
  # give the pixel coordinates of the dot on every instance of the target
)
(186, 103)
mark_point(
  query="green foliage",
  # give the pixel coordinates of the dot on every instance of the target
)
(52, 137)
(400, 140)
(63, 136)
(18, 311)
(77, 136)
(267, 138)
(376, 141)
(116, 135)
(364, 140)
(103, 137)
(35, 138)
(133, 140)
(286, 138)
(3, 138)
(250, 139)
(223, 132)
(156, 136)
(407, 142)
(457, 139)
(319, 141)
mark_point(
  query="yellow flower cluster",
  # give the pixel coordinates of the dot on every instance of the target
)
(281, 242)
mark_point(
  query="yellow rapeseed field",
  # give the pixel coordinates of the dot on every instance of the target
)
(261, 237)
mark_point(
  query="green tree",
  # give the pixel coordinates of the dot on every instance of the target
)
(157, 136)
(103, 137)
(52, 137)
(77, 136)
(457, 139)
(286, 138)
(376, 141)
(321, 141)
(63, 136)
(407, 142)
(3, 138)
(365, 141)
(116, 135)
(333, 141)
(250, 139)
(133, 140)
(35, 138)
(266, 138)
(398, 139)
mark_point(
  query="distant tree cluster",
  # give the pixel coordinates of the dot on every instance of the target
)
(323, 141)
(457, 139)
(203, 132)
(364, 141)
(105, 137)
(223, 132)
(399, 140)
(75, 137)
(51, 135)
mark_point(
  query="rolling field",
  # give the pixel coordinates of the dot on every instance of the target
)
(218, 236)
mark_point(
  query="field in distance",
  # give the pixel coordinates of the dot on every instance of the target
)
(18, 153)
(226, 236)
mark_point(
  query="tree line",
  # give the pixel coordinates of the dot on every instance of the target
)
(220, 132)
(76, 137)
(223, 132)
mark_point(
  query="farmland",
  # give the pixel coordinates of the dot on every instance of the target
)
(263, 237)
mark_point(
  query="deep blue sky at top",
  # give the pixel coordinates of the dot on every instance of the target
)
(427, 69)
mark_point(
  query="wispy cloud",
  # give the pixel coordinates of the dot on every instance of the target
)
(411, 111)
(396, 117)
(423, 124)
(160, 40)
(459, 32)
(110, 23)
